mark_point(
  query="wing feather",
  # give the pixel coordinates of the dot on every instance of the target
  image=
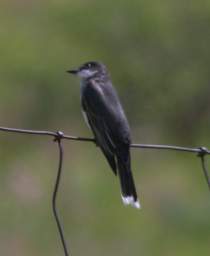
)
(98, 116)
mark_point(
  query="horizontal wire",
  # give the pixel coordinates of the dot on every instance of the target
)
(69, 137)
(58, 136)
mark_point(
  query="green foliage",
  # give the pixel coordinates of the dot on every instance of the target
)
(158, 55)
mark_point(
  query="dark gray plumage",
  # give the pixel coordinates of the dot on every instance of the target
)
(106, 118)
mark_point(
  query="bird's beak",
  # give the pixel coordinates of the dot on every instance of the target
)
(73, 71)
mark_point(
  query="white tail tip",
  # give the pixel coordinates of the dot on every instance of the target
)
(129, 200)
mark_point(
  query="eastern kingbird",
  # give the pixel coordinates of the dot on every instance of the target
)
(105, 116)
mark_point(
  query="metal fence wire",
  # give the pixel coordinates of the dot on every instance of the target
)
(59, 136)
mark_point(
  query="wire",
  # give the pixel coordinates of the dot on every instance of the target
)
(59, 136)
(58, 139)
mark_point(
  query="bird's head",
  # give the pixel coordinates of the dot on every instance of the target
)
(89, 70)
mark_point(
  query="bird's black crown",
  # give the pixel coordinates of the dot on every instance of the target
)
(92, 65)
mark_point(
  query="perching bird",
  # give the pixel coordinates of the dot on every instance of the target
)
(105, 116)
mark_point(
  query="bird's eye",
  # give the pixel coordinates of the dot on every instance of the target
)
(89, 65)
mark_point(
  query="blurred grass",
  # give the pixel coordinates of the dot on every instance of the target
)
(158, 55)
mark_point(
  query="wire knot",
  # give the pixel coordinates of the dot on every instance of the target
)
(202, 151)
(58, 136)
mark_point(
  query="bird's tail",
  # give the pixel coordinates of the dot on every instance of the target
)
(129, 195)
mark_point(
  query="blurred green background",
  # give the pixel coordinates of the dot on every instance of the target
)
(159, 56)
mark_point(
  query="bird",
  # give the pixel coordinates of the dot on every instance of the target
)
(105, 116)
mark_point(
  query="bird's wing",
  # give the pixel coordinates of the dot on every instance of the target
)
(102, 139)
(109, 156)
(101, 119)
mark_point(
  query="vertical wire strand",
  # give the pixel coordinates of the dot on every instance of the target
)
(57, 182)
(205, 171)
(201, 152)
